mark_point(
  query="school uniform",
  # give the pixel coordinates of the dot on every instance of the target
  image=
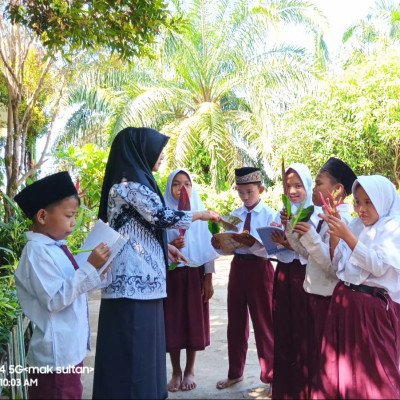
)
(290, 308)
(319, 282)
(52, 291)
(320, 278)
(187, 319)
(250, 288)
(361, 340)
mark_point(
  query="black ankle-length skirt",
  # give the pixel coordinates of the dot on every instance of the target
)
(130, 358)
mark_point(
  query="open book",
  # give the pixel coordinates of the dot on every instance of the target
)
(228, 242)
(101, 232)
(265, 235)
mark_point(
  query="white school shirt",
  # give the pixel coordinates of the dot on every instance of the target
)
(53, 296)
(365, 266)
(320, 276)
(375, 261)
(261, 215)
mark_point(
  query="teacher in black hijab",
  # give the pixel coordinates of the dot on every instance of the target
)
(130, 352)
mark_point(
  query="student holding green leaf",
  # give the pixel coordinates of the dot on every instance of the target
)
(313, 244)
(189, 285)
(290, 303)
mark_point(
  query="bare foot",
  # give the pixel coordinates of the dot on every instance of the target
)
(188, 382)
(228, 382)
(175, 383)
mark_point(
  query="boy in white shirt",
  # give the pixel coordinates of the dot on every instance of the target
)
(52, 288)
(250, 284)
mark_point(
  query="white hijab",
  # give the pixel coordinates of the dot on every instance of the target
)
(198, 248)
(383, 236)
(305, 176)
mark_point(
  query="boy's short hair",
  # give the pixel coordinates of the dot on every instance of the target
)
(340, 172)
(44, 192)
(246, 175)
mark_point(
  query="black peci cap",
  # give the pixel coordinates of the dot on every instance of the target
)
(247, 175)
(44, 192)
(341, 172)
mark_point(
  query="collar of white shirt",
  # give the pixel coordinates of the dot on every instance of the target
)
(39, 237)
(243, 210)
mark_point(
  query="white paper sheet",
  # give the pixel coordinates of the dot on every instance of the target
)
(101, 232)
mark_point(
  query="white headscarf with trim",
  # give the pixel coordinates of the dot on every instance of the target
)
(198, 248)
(383, 236)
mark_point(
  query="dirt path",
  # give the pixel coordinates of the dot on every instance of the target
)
(211, 364)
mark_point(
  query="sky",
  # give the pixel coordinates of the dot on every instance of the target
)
(341, 14)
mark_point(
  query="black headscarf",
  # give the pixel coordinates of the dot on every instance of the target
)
(133, 155)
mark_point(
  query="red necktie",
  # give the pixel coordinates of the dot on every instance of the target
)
(70, 256)
(246, 226)
(319, 225)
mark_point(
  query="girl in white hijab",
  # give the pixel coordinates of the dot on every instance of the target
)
(189, 286)
(290, 299)
(361, 346)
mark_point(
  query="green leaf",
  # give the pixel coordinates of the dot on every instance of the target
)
(287, 204)
(296, 216)
(213, 227)
(305, 214)
(302, 214)
(172, 266)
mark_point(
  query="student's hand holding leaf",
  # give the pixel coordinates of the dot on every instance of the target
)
(206, 215)
(284, 217)
(301, 228)
(179, 242)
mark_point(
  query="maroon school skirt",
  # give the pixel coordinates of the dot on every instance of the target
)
(290, 315)
(361, 348)
(187, 320)
(56, 385)
(318, 307)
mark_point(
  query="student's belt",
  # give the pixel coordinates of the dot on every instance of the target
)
(250, 256)
(373, 291)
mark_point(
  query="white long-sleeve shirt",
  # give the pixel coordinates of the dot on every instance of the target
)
(365, 265)
(321, 275)
(261, 215)
(53, 296)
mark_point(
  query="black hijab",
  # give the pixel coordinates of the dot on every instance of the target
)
(133, 155)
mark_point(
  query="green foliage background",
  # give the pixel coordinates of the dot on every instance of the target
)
(355, 117)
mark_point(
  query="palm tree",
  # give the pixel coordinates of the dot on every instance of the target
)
(378, 30)
(388, 11)
(207, 83)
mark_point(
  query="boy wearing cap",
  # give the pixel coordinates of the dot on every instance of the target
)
(313, 244)
(52, 288)
(250, 283)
